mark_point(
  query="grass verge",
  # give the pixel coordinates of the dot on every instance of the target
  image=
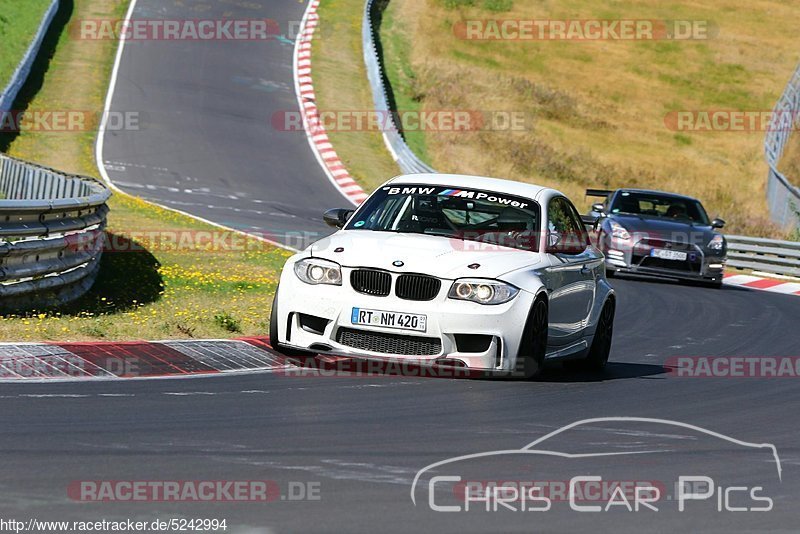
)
(595, 111)
(340, 84)
(173, 285)
(19, 22)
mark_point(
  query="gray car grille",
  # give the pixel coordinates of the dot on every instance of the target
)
(672, 245)
(389, 343)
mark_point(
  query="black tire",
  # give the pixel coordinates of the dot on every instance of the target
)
(273, 334)
(530, 358)
(597, 358)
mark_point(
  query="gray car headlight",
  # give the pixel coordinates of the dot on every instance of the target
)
(316, 271)
(619, 232)
(717, 242)
(482, 291)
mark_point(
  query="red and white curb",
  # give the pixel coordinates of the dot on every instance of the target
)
(136, 359)
(763, 284)
(306, 98)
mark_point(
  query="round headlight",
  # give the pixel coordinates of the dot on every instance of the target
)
(464, 290)
(333, 276)
(316, 272)
(484, 293)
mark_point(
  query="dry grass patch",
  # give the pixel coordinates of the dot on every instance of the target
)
(340, 84)
(595, 111)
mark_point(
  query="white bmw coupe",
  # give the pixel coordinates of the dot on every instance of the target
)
(461, 271)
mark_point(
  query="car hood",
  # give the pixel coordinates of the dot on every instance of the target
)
(437, 256)
(666, 229)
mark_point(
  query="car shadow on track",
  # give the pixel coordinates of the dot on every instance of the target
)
(613, 371)
(354, 367)
(657, 280)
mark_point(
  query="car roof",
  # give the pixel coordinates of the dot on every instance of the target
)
(655, 192)
(496, 185)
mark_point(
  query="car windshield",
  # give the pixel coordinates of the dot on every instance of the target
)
(661, 206)
(464, 214)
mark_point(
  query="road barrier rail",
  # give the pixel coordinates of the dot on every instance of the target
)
(52, 235)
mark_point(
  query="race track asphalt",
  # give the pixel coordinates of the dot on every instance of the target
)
(362, 439)
(204, 141)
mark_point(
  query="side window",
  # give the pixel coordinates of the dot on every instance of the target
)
(582, 235)
(564, 222)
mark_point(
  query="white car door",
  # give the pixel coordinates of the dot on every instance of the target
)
(571, 279)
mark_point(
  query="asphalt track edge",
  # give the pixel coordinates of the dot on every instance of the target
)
(100, 142)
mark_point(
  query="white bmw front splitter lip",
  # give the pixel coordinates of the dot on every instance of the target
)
(320, 318)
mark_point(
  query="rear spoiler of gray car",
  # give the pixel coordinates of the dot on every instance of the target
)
(605, 193)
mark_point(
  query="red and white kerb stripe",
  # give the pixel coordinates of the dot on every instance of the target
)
(316, 131)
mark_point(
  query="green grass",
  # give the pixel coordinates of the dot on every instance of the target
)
(402, 77)
(19, 22)
(162, 291)
(340, 84)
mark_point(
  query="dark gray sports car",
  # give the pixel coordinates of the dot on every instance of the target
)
(658, 234)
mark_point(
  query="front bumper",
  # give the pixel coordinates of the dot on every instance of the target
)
(330, 329)
(636, 259)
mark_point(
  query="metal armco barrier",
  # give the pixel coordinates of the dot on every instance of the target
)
(407, 160)
(783, 197)
(766, 255)
(51, 235)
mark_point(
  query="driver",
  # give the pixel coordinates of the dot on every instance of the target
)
(676, 211)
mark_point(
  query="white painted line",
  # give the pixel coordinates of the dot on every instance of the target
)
(740, 279)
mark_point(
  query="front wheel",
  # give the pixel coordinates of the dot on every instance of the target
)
(601, 344)
(530, 358)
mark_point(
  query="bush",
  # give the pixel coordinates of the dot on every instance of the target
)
(228, 322)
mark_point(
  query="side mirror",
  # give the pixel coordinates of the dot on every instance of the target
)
(337, 217)
(598, 207)
(717, 223)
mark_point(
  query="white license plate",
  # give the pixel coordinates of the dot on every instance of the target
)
(668, 254)
(388, 319)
